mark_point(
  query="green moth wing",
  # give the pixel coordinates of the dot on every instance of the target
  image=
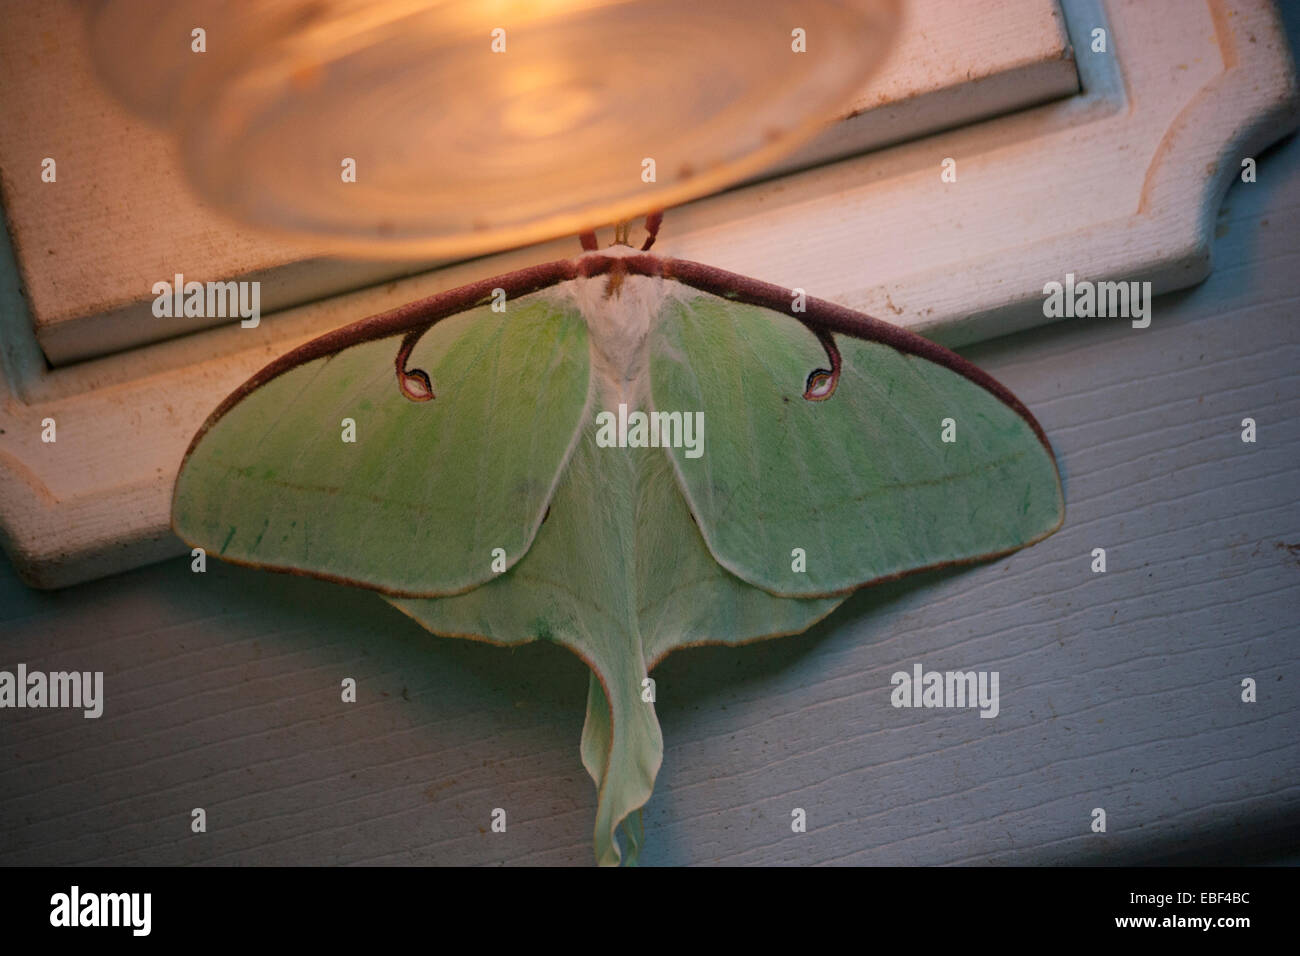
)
(334, 461)
(619, 575)
(898, 456)
(808, 482)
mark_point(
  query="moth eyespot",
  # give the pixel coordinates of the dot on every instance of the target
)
(415, 385)
(822, 381)
(820, 385)
(413, 382)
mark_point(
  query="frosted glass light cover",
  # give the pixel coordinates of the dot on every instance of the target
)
(479, 124)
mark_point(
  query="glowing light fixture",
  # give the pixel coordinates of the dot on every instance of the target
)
(471, 125)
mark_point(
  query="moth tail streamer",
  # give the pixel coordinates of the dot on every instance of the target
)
(622, 749)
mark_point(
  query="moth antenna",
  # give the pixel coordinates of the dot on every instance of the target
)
(652, 223)
(409, 378)
(588, 240)
(822, 381)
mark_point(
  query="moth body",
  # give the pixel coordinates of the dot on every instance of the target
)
(620, 310)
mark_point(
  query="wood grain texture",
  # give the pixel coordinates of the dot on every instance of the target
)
(1118, 690)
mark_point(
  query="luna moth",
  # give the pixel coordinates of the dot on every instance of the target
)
(624, 454)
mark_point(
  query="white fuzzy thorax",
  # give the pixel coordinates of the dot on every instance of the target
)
(619, 316)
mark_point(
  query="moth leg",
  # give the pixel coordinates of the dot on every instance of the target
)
(588, 240)
(652, 223)
(822, 381)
